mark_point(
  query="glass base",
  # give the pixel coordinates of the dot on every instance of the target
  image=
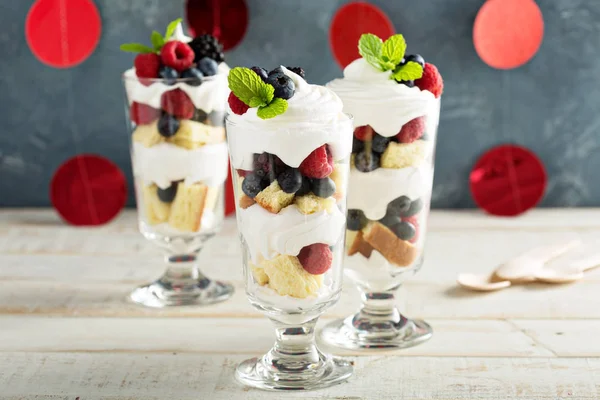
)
(164, 293)
(269, 374)
(354, 333)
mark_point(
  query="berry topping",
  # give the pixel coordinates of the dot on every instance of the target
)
(199, 116)
(323, 187)
(261, 72)
(366, 161)
(207, 46)
(290, 180)
(248, 86)
(318, 164)
(167, 195)
(415, 207)
(237, 106)
(243, 173)
(357, 145)
(304, 188)
(356, 220)
(414, 221)
(142, 113)
(193, 76)
(208, 66)
(177, 55)
(431, 80)
(407, 83)
(398, 206)
(404, 230)
(147, 65)
(177, 103)
(168, 125)
(379, 143)
(363, 133)
(316, 258)
(252, 185)
(297, 70)
(415, 58)
(168, 74)
(390, 220)
(412, 130)
(284, 86)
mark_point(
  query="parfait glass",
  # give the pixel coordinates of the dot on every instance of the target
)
(292, 243)
(180, 163)
(389, 198)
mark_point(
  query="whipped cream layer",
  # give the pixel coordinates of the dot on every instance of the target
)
(376, 100)
(268, 235)
(376, 273)
(164, 163)
(372, 191)
(313, 118)
(289, 303)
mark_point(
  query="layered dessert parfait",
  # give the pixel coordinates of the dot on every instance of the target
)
(290, 146)
(394, 98)
(177, 95)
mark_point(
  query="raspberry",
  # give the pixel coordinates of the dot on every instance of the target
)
(431, 80)
(414, 221)
(146, 66)
(364, 133)
(243, 173)
(177, 55)
(318, 164)
(412, 130)
(142, 113)
(177, 103)
(236, 105)
(316, 258)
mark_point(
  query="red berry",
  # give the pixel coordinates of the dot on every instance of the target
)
(364, 133)
(412, 130)
(316, 258)
(236, 105)
(146, 66)
(318, 164)
(431, 80)
(177, 55)
(414, 221)
(177, 103)
(142, 113)
(243, 173)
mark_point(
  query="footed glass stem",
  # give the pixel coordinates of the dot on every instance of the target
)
(294, 363)
(378, 325)
(181, 285)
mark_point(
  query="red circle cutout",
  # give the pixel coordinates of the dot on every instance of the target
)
(227, 20)
(508, 33)
(88, 190)
(351, 21)
(63, 33)
(508, 180)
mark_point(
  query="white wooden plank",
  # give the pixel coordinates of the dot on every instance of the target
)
(566, 338)
(198, 376)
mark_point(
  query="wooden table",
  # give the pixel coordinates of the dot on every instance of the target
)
(67, 332)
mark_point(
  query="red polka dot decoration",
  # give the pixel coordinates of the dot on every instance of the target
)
(63, 33)
(229, 196)
(227, 20)
(508, 33)
(88, 190)
(508, 180)
(351, 21)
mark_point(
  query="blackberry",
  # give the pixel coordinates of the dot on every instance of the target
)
(297, 71)
(207, 46)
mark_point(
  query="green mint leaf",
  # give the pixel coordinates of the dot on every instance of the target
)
(136, 48)
(171, 28)
(249, 88)
(408, 72)
(369, 47)
(275, 108)
(393, 49)
(157, 40)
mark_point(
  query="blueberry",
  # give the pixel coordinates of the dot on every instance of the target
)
(399, 206)
(404, 230)
(193, 75)
(366, 161)
(356, 220)
(357, 145)
(284, 86)
(277, 70)
(379, 143)
(414, 208)
(297, 70)
(168, 125)
(168, 74)
(407, 83)
(323, 187)
(216, 118)
(199, 115)
(290, 180)
(167, 195)
(415, 58)
(261, 72)
(208, 66)
(252, 185)
(304, 188)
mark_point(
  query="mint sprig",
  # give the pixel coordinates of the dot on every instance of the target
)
(247, 86)
(408, 72)
(157, 40)
(387, 56)
(369, 47)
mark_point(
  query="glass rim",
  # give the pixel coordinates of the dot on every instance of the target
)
(350, 119)
(126, 78)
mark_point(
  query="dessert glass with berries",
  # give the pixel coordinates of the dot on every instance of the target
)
(395, 101)
(176, 101)
(290, 145)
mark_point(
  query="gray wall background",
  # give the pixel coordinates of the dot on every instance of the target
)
(550, 105)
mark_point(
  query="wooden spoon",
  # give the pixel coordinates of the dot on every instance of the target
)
(481, 283)
(571, 272)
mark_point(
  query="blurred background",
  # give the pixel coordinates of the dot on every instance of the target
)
(549, 105)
